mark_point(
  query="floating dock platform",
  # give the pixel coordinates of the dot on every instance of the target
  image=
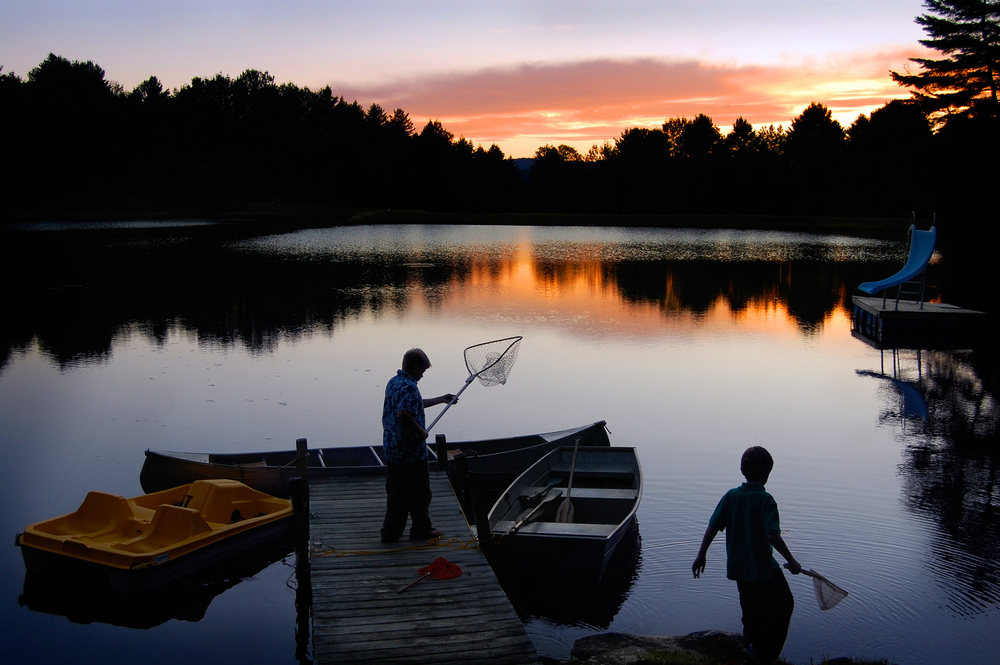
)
(884, 324)
(359, 614)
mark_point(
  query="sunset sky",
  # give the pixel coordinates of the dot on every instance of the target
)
(516, 73)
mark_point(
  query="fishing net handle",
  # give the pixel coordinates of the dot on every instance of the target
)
(455, 399)
(509, 353)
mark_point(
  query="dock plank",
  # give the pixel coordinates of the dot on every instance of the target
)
(358, 616)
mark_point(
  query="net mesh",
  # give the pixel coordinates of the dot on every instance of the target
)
(828, 594)
(441, 569)
(491, 362)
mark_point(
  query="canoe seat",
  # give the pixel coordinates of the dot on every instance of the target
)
(171, 525)
(99, 513)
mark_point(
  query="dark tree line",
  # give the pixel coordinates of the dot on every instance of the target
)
(76, 142)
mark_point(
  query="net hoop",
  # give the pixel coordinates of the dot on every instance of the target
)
(491, 362)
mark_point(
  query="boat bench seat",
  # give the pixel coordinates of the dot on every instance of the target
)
(594, 471)
(99, 513)
(226, 501)
(557, 529)
(590, 493)
(170, 525)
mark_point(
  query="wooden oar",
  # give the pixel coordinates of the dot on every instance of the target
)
(552, 496)
(565, 512)
(538, 494)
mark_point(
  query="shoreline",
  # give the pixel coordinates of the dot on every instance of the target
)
(705, 647)
(295, 216)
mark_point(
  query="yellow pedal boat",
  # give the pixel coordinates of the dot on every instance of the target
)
(151, 540)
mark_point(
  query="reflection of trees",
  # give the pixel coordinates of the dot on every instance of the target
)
(84, 289)
(950, 471)
(811, 290)
(81, 289)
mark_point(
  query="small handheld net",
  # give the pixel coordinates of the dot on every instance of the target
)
(490, 362)
(440, 569)
(828, 594)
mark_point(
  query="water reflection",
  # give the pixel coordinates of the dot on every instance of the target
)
(945, 405)
(88, 600)
(592, 605)
(692, 345)
(254, 293)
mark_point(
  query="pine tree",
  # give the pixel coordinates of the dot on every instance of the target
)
(963, 84)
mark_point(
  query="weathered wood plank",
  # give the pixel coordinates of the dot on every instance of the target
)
(358, 616)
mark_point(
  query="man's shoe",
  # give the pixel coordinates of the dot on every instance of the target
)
(433, 533)
(386, 538)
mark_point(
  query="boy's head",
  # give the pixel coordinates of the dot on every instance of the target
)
(415, 363)
(756, 464)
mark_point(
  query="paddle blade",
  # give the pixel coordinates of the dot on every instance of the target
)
(564, 515)
(529, 515)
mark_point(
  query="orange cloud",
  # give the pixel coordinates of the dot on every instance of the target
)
(582, 103)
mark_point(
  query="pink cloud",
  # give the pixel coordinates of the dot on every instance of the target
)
(587, 102)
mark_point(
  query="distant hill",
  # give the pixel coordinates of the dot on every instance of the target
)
(524, 163)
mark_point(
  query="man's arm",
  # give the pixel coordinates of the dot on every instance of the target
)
(441, 399)
(779, 544)
(699, 563)
(409, 421)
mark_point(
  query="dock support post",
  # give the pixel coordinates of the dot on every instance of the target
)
(299, 490)
(303, 570)
(300, 514)
(441, 449)
(302, 460)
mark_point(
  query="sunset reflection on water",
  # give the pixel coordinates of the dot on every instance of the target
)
(692, 345)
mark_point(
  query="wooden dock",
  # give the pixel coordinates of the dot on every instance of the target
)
(358, 614)
(935, 324)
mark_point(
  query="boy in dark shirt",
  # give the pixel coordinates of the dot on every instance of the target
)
(749, 516)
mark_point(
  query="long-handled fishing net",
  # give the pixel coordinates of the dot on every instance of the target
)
(490, 362)
(828, 594)
(440, 569)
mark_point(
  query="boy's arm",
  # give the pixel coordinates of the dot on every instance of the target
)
(779, 544)
(699, 563)
(441, 399)
(409, 421)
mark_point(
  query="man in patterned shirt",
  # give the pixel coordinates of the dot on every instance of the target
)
(407, 482)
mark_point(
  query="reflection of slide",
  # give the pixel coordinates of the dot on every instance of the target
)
(921, 247)
(914, 403)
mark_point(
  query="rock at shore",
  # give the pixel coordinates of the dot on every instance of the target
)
(624, 649)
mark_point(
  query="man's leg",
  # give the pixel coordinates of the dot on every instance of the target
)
(418, 500)
(396, 502)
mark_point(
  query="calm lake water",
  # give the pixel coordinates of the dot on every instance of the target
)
(693, 345)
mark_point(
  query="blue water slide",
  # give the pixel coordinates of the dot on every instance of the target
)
(921, 248)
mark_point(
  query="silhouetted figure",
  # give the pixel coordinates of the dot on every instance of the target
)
(749, 516)
(407, 482)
